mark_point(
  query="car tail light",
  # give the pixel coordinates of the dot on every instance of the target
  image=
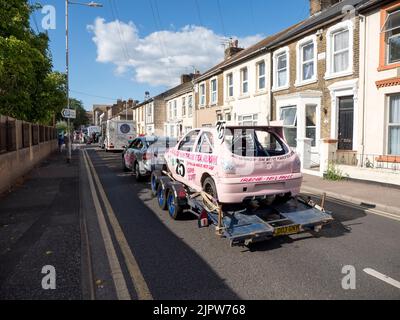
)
(181, 194)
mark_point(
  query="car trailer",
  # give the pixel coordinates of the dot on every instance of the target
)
(241, 226)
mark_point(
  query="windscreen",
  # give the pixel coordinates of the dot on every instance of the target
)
(254, 143)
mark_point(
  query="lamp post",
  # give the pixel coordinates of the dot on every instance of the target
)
(67, 2)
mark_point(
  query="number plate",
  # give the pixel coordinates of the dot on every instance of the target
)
(282, 231)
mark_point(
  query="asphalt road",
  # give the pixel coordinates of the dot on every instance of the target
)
(176, 260)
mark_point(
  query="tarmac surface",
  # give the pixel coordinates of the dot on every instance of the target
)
(53, 219)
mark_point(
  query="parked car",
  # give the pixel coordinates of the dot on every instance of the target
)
(146, 154)
(237, 164)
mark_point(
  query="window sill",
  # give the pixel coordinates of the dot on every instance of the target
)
(329, 76)
(305, 83)
(388, 67)
(246, 96)
(275, 89)
(260, 92)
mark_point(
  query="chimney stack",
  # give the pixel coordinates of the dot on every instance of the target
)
(232, 49)
(316, 6)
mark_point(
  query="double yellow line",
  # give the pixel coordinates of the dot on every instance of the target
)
(136, 275)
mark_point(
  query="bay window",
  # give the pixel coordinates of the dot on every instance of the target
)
(311, 124)
(289, 117)
(248, 120)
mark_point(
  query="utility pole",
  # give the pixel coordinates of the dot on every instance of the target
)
(67, 3)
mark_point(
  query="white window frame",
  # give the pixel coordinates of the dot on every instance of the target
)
(342, 26)
(259, 77)
(300, 62)
(202, 96)
(190, 106)
(149, 113)
(175, 113)
(214, 94)
(384, 30)
(278, 53)
(230, 86)
(243, 82)
(170, 110)
(184, 107)
(295, 124)
(254, 119)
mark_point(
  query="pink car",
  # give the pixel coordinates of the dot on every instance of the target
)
(235, 164)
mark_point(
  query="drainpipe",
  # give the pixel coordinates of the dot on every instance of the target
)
(364, 19)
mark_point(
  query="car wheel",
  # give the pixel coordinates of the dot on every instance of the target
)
(210, 188)
(173, 207)
(138, 176)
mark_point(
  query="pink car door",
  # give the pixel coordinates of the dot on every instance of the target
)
(206, 158)
(183, 166)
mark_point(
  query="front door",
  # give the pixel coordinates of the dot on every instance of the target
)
(346, 123)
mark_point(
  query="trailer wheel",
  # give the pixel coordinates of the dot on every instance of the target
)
(161, 197)
(174, 209)
(154, 182)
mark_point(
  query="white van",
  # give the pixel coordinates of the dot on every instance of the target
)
(118, 134)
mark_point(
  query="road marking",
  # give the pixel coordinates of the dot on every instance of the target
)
(382, 277)
(116, 271)
(137, 277)
(358, 207)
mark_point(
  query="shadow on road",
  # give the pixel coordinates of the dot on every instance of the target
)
(172, 269)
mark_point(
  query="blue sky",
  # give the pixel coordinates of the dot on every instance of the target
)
(154, 40)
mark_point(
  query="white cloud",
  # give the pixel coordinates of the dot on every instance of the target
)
(161, 57)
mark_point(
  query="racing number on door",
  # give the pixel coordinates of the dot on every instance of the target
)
(180, 169)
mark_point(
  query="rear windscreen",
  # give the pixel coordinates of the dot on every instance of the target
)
(254, 143)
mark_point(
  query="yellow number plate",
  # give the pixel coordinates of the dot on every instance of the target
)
(282, 231)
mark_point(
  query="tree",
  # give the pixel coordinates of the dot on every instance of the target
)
(29, 89)
(81, 116)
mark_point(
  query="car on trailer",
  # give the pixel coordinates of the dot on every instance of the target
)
(237, 164)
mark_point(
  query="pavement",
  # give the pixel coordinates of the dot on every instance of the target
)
(40, 226)
(367, 194)
(108, 239)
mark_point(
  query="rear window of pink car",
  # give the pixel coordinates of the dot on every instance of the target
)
(254, 143)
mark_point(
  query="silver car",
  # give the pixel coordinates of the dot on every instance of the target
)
(146, 154)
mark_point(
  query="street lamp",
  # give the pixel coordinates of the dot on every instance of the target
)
(67, 2)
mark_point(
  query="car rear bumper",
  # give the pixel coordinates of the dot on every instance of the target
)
(236, 190)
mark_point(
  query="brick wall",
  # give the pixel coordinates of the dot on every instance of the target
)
(208, 114)
(322, 84)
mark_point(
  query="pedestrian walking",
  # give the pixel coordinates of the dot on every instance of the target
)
(60, 142)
